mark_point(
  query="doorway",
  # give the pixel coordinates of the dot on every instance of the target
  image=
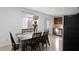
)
(58, 24)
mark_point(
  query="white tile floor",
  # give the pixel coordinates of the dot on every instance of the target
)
(55, 44)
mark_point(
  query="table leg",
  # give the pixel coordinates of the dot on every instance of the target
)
(23, 46)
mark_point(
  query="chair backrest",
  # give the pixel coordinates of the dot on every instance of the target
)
(46, 33)
(35, 40)
(36, 37)
(44, 36)
(12, 41)
(37, 34)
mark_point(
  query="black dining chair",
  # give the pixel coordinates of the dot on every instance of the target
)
(14, 45)
(45, 39)
(35, 41)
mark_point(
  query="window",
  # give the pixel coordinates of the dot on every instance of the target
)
(27, 22)
(48, 24)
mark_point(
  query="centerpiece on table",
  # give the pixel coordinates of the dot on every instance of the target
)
(35, 26)
(35, 23)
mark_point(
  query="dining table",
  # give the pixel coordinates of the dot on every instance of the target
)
(24, 39)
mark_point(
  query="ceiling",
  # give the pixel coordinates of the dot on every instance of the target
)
(55, 11)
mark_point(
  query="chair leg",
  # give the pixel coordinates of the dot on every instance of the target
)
(39, 47)
(42, 46)
(46, 45)
(31, 48)
(23, 48)
(48, 41)
(26, 48)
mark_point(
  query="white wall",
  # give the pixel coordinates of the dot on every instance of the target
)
(41, 20)
(50, 24)
(11, 20)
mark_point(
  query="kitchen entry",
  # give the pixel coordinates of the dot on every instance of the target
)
(58, 26)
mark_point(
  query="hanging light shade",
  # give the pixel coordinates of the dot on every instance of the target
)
(35, 17)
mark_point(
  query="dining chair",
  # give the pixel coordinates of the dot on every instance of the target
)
(45, 39)
(35, 41)
(14, 45)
